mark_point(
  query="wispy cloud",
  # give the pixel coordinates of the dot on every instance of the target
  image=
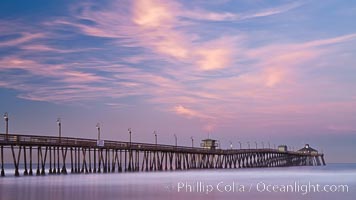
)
(181, 110)
(154, 25)
(21, 39)
(199, 14)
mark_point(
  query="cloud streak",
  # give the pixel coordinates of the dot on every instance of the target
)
(23, 38)
(228, 16)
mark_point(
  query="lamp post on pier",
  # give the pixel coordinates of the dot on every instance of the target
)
(59, 128)
(98, 127)
(155, 133)
(256, 144)
(6, 117)
(130, 133)
(176, 139)
(248, 144)
(240, 145)
(192, 141)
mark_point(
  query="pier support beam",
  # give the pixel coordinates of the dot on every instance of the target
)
(71, 160)
(31, 172)
(43, 161)
(54, 171)
(75, 160)
(50, 160)
(64, 156)
(94, 170)
(16, 160)
(90, 170)
(25, 161)
(58, 169)
(322, 159)
(2, 161)
(78, 165)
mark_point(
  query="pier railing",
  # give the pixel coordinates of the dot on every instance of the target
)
(36, 140)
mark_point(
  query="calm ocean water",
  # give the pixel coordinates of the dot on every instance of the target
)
(334, 181)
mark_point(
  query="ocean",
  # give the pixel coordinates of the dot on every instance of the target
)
(333, 181)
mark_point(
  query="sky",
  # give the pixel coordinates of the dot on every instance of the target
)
(271, 72)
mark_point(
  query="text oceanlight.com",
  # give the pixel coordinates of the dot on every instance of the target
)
(260, 187)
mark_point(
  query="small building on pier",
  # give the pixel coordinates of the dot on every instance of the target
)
(308, 149)
(282, 148)
(209, 144)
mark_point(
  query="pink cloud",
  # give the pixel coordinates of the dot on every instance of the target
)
(215, 55)
(185, 111)
(46, 48)
(154, 13)
(199, 14)
(330, 41)
(156, 25)
(66, 84)
(61, 72)
(24, 38)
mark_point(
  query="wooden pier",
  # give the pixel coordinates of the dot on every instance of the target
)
(40, 155)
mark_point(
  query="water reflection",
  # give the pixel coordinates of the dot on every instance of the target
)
(164, 185)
